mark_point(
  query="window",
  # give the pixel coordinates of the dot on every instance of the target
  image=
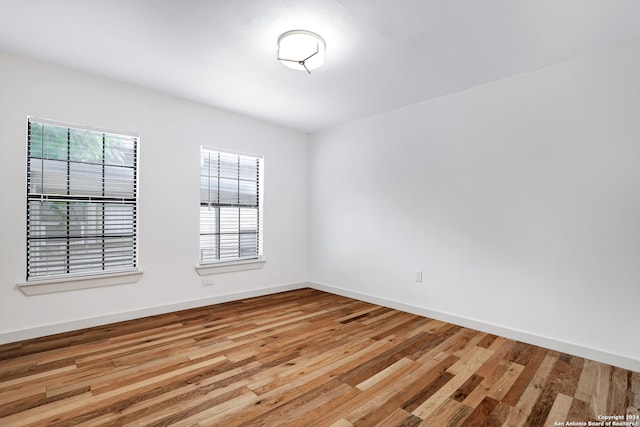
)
(230, 206)
(81, 201)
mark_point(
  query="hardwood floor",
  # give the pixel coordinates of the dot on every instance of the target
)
(301, 358)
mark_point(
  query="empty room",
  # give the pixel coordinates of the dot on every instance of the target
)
(320, 213)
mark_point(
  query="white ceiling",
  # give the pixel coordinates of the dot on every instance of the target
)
(381, 54)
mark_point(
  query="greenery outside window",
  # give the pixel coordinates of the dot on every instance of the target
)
(81, 201)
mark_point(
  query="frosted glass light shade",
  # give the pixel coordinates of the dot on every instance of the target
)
(301, 50)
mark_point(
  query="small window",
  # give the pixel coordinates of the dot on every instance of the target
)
(81, 201)
(230, 206)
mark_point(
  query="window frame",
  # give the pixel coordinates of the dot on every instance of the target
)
(239, 263)
(102, 266)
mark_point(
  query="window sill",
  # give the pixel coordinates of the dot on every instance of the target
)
(229, 267)
(46, 286)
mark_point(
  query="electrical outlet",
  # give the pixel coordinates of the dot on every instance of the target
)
(418, 275)
(207, 282)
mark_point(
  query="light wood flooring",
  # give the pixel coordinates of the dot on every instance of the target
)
(301, 358)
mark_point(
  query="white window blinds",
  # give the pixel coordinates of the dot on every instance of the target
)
(230, 206)
(81, 201)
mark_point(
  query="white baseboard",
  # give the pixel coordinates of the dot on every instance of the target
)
(526, 337)
(41, 331)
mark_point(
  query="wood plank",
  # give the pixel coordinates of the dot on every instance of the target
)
(634, 391)
(560, 410)
(587, 382)
(541, 409)
(390, 372)
(500, 388)
(618, 396)
(498, 416)
(395, 418)
(599, 402)
(468, 387)
(471, 361)
(519, 412)
(481, 414)
(341, 423)
(451, 412)
(569, 383)
(487, 340)
(500, 367)
(526, 376)
(579, 411)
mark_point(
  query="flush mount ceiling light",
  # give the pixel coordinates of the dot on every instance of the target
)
(301, 50)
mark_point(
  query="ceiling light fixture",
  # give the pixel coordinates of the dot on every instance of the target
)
(301, 50)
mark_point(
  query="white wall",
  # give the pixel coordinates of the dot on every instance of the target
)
(519, 199)
(171, 131)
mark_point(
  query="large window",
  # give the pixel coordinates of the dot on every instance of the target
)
(230, 206)
(81, 201)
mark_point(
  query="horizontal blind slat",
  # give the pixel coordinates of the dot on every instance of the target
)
(82, 200)
(229, 206)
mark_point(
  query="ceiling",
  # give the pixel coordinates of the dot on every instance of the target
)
(381, 54)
